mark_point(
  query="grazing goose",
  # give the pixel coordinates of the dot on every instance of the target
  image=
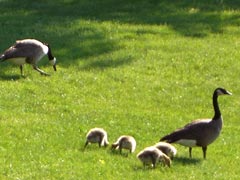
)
(167, 149)
(28, 51)
(200, 132)
(97, 135)
(125, 142)
(151, 155)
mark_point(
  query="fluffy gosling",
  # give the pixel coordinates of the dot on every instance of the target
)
(97, 135)
(152, 155)
(167, 149)
(125, 142)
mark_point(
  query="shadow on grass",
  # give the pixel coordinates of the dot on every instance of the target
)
(6, 77)
(159, 166)
(116, 152)
(74, 38)
(91, 147)
(189, 18)
(186, 161)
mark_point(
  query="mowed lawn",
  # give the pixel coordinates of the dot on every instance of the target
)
(135, 67)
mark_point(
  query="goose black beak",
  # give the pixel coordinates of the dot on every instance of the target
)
(54, 67)
(54, 62)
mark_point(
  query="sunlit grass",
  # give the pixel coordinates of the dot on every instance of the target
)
(130, 73)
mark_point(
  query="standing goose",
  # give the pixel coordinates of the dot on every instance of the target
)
(28, 51)
(200, 132)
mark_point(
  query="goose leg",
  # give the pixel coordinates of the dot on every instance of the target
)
(21, 69)
(190, 152)
(120, 149)
(86, 144)
(153, 161)
(41, 71)
(204, 149)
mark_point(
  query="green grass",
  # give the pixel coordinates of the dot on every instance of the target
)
(142, 68)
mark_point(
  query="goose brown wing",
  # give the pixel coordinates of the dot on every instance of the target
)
(21, 50)
(192, 130)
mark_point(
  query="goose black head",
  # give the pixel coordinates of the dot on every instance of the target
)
(51, 58)
(222, 91)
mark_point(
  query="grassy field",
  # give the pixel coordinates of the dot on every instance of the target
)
(136, 67)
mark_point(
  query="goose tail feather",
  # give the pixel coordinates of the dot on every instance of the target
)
(174, 136)
(2, 57)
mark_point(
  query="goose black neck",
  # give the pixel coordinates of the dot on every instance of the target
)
(50, 56)
(217, 114)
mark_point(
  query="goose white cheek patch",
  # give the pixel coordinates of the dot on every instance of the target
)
(53, 62)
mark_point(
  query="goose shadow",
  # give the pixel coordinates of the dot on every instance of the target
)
(159, 167)
(186, 160)
(91, 147)
(15, 77)
(117, 153)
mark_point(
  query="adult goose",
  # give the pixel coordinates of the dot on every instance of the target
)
(200, 132)
(28, 51)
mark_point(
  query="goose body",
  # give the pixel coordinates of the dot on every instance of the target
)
(97, 135)
(28, 51)
(152, 155)
(200, 132)
(125, 142)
